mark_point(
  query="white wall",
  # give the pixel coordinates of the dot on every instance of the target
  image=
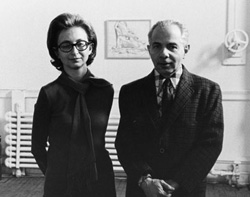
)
(25, 60)
(25, 23)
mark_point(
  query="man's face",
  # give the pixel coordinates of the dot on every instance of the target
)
(166, 49)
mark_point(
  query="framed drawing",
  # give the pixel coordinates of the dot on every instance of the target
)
(127, 39)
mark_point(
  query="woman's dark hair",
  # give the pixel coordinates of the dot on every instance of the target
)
(63, 22)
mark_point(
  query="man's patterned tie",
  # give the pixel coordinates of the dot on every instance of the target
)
(168, 95)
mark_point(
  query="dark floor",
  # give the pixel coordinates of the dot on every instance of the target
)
(32, 187)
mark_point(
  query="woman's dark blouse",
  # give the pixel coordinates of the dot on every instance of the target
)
(52, 123)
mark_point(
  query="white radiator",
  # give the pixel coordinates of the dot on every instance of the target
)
(18, 151)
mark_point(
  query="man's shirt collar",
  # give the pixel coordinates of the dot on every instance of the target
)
(174, 79)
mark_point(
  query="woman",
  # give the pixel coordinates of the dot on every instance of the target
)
(71, 114)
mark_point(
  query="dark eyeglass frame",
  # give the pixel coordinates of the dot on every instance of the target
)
(85, 46)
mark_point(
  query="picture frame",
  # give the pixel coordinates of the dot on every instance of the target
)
(127, 39)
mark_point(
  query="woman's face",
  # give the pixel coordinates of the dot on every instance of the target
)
(75, 59)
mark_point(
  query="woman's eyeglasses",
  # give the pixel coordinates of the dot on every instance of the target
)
(80, 46)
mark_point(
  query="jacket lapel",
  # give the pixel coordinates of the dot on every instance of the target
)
(150, 100)
(182, 97)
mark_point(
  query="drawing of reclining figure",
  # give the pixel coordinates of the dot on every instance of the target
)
(126, 38)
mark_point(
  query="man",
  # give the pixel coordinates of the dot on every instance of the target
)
(170, 134)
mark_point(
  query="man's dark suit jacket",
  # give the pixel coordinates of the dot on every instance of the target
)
(190, 136)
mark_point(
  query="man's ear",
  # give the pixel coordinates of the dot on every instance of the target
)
(148, 47)
(186, 49)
